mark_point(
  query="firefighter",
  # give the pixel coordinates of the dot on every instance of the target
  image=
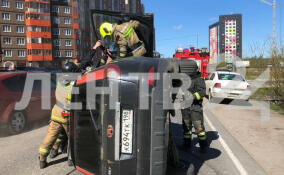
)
(193, 115)
(60, 113)
(125, 37)
(61, 142)
(91, 61)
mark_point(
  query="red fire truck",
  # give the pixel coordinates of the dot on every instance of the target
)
(201, 56)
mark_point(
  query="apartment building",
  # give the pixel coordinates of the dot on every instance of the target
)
(12, 32)
(225, 39)
(64, 30)
(38, 32)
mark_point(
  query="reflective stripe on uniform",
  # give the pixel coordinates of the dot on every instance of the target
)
(124, 28)
(197, 95)
(187, 135)
(202, 135)
(68, 98)
(128, 32)
(122, 54)
(59, 119)
(58, 140)
(43, 150)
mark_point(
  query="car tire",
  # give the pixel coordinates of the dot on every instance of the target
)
(17, 122)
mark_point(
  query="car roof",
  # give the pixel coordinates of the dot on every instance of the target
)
(227, 72)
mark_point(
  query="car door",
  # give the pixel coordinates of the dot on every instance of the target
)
(145, 31)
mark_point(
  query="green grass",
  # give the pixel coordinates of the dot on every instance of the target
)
(262, 94)
(253, 73)
(276, 108)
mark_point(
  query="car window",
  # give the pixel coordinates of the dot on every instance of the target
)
(233, 77)
(212, 76)
(15, 83)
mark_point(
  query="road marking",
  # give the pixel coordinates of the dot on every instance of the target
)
(235, 160)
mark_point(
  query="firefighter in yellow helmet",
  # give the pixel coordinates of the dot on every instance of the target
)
(60, 113)
(125, 37)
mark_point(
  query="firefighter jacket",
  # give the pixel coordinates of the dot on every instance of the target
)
(60, 111)
(125, 37)
(198, 90)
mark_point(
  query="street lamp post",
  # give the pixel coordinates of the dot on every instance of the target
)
(273, 5)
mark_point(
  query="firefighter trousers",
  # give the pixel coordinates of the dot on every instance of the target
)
(193, 119)
(54, 128)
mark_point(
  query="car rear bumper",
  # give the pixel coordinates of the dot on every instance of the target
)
(231, 94)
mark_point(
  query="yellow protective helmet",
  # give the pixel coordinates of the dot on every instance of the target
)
(105, 29)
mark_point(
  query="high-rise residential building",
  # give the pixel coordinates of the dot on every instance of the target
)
(225, 39)
(38, 32)
(65, 30)
(12, 32)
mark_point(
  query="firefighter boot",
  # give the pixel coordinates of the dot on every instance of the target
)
(42, 162)
(53, 153)
(203, 146)
(186, 144)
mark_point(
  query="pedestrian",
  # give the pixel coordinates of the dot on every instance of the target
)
(124, 37)
(60, 113)
(193, 115)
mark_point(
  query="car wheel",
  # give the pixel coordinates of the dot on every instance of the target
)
(17, 122)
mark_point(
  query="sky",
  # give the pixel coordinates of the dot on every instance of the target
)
(179, 22)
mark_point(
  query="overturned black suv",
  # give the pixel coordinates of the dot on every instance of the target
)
(123, 129)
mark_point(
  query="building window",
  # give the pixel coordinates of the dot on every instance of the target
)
(21, 41)
(77, 53)
(56, 42)
(55, 31)
(68, 53)
(76, 31)
(8, 53)
(57, 53)
(67, 10)
(7, 41)
(6, 16)
(20, 17)
(19, 5)
(55, 9)
(77, 42)
(67, 32)
(34, 40)
(5, 3)
(20, 29)
(66, 1)
(55, 20)
(68, 43)
(21, 53)
(6, 28)
(76, 21)
(67, 21)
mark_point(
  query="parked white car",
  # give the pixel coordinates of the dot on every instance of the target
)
(227, 85)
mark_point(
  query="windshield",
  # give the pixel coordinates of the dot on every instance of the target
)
(233, 77)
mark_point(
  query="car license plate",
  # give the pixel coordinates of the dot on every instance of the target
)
(127, 131)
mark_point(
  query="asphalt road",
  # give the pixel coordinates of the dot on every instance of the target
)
(224, 157)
